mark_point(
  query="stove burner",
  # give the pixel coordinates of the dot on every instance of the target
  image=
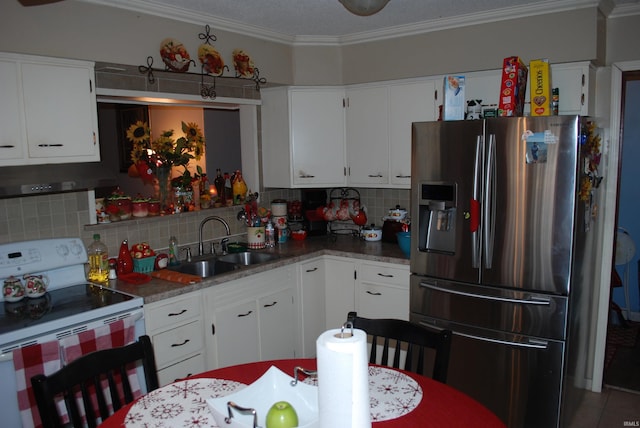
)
(57, 304)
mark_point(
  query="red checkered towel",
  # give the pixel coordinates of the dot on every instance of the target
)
(116, 334)
(30, 361)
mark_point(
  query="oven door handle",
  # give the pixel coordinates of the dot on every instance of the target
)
(137, 315)
(529, 301)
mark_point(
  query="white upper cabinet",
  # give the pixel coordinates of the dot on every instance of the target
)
(408, 103)
(51, 116)
(12, 136)
(303, 137)
(379, 119)
(368, 136)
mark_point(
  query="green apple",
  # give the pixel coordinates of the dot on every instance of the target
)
(281, 415)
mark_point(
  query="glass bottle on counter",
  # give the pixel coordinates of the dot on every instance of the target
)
(218, 182)
(125, 261)
(173, 252)
(98, 261)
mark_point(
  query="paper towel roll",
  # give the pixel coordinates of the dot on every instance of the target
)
(343, 379)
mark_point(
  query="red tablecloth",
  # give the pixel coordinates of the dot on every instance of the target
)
(441, 405)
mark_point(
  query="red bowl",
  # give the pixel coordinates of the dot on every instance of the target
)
(299, 235)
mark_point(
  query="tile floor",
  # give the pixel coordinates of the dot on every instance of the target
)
(612, 408)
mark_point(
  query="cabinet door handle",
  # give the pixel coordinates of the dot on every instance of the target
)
(385, 275)
(245, 315)
(175, 314)
(180, 344)
(50, 145)
(375, 175)
(403, 176)
(374, 294)
(267, 305)
(312, 270)
(7, 146)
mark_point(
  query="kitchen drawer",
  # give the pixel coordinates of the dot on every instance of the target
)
(174, 344)
(181, 370)
(167, 315)
(382, 301)
(385, 274)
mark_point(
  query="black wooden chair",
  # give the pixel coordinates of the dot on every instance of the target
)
(84, 375)
(397, 335)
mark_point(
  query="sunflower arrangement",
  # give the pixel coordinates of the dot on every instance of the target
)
(150, 154)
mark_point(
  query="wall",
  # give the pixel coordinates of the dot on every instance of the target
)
(629, 202)
(74, 29)
(479, 47)
(87, 31)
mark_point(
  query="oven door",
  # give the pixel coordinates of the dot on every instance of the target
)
(9, 387)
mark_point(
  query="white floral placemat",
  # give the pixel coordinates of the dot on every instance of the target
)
(184, 403)
(391, 394)
(180, 404)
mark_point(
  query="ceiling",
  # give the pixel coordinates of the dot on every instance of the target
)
(328, 20)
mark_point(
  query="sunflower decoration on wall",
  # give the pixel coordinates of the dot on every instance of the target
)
(148, 155)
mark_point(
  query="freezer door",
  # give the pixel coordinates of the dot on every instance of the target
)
(517, 377)
(445, 188)
(529, 208)
(513, 311)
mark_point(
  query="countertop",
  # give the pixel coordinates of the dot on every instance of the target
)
(289, 252)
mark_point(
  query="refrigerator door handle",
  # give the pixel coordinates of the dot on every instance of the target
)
(528, 343)
(474, 208)
(489, 206)
(531, 301)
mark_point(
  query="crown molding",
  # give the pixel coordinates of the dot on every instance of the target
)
(217, 23)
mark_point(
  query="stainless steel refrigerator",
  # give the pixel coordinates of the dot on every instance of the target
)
(501, 255)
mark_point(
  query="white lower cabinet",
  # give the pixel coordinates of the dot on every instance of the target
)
(190, 366)
(340, 277)
(176, 330)
(311, 312)
(383, 291)
(373, 289)
(251, 319)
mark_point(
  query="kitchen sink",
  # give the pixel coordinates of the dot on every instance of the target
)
(205, 268)
(247, 258)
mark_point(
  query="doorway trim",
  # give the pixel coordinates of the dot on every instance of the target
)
(610, 200)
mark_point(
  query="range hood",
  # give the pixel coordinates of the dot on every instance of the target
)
(53, 178)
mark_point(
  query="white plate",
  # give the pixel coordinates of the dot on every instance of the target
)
(273, 386)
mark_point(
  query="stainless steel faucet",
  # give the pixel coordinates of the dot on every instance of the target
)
(202, 223)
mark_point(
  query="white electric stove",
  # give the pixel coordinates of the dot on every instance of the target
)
(70, 305)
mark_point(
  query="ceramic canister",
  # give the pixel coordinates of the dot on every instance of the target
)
(279, 208)
(255, 237)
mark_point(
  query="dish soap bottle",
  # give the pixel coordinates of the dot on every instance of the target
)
(98, 261)
(125, 261)
(173, 252)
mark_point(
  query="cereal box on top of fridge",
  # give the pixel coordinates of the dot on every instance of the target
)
(454, 103)
(540, 87)
(513, 87)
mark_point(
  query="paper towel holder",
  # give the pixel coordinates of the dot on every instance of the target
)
(348, 324)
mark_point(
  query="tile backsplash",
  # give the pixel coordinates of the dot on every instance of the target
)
(67, 215)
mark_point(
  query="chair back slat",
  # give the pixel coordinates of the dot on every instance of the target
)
(410, 339)
(88, 375)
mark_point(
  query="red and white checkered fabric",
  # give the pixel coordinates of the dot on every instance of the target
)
(116, 334)
(30, 361)
(47, 358)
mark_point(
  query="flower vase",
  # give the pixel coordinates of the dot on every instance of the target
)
(163, 175)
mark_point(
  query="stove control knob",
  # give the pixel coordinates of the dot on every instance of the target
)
(63, 250)
(76, 249)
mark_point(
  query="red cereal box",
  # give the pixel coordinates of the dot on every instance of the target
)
(513, 87)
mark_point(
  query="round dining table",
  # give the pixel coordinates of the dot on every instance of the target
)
(439, 405)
